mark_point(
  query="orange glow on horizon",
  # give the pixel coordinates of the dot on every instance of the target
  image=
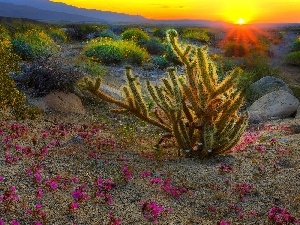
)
(254, 11)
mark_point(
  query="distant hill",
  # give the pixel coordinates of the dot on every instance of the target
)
(22, 11)
(61, 12)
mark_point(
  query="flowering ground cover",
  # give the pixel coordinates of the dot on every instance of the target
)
(92, 169)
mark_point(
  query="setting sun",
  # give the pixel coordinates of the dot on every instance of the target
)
(241, 21)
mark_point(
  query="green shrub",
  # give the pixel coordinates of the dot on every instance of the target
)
(33, 44)
(106, 51)
(135, 34)
(293, 58)
(224, 65)
(161, 62)
(296, 45)
(108, 33)
(23, 49)
(195, 34)
(58, 35)
(236, 49)
(90, 67)
(11, 99)
(160, 33)
(110, 51)
(296, 90)
(153, 46)
(81, 32)
(257, 67)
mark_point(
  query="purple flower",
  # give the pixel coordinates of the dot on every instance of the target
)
(152, 211)
(73, 206)
(37, 223)
(39, 192)
(9, 158)
(53, 185)
(281, 216)
(37, 176)
(113, 220)
(75, 180)
(146, 174)
(225, 168)
(212, 208)
(127, 173)
(14, 222)
(155, 180)
(77, 194)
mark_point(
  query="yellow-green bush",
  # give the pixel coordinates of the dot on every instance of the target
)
(296, 45)
(135, 34)
(58, 35)
(33, 44)
(196, 34)
(110, 51)
(11, 99)
(293, 58)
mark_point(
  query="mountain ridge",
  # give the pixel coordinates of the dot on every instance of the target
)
(11, 10)
(64, 8)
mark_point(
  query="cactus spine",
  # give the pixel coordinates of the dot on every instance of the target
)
(200, 112)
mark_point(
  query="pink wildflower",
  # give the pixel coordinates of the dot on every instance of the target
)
(39, 192)
(14, 222)
(146, 174)
(224, 222)
(73, 206)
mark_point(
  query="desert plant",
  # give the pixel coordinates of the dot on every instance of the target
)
(161, 62)
(110, 51)
(195, 34)
(81, 32)
(293, 58)
(9, 95)
(153, 46)
(58, 35)
(108, 33)
(296, 45)
(33, 44)
(197, 110)
(51, 73)
(296, 90)
(236, 49)
(11, 99)
(135, 34)
(89, 66)
(159, 32)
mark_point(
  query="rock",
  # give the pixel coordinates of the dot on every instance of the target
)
(61, 102)
(266, 85)
(275, 105)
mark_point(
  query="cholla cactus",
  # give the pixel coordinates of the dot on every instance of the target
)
(196, 109)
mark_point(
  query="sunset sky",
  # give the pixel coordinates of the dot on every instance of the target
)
(251, 11)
